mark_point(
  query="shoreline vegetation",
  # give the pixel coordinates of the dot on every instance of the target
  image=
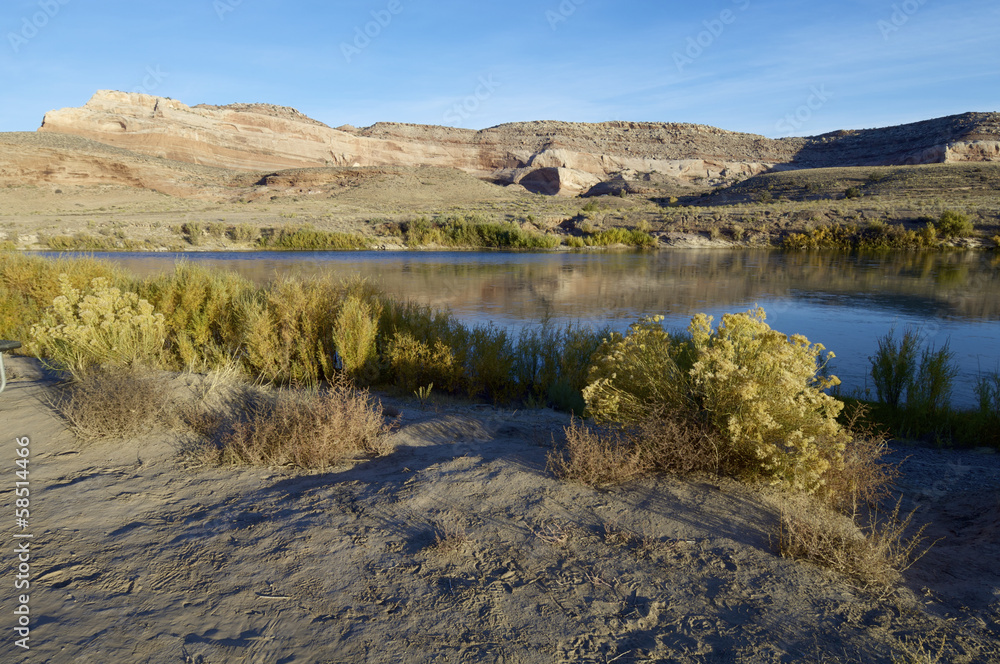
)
(731, 399)
(740, 399)
(305, 332)
(937, 207)
(950, 231)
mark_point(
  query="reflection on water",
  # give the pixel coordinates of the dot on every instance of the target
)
(842, 301)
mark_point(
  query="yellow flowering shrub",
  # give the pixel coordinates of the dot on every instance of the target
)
(761, 391)
(98, 326)
(637, 373)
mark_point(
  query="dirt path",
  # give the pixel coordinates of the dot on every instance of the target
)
(459, 547)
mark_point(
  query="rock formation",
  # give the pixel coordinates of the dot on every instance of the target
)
(547, 157)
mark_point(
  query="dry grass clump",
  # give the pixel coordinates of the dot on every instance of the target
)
(873, 555)
(113, 403)
(554, 533)
(450, 537)
(861, 479)
(842, 529)
(922, 651)
(617, 536)
(312, 430)
(594, 456)
(609, 454)
(676, 445)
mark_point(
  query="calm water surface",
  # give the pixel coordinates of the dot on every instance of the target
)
(844, 302)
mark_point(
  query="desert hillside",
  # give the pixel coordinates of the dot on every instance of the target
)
(547, 157)
(137, 172)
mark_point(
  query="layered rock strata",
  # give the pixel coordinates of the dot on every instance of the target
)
(547, 157)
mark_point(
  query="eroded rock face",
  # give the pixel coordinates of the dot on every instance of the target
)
(550, 157)
(32, 158)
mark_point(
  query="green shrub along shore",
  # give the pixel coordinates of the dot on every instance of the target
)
(737, 399)
(880, 236)
(82, 313)
(476, 231)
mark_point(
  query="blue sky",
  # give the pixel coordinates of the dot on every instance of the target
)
(771, 67)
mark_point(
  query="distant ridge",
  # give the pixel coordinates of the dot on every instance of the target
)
(546, 156)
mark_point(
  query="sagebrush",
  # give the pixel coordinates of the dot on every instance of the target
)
(760, 391)
(100, 326)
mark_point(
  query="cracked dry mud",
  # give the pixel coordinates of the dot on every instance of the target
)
(462, 547)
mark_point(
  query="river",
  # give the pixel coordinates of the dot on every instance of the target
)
(844, 301)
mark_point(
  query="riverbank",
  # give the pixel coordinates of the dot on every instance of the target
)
(461, 546)
(879, 207)
(220, 236)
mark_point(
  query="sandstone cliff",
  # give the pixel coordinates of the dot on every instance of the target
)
(31, 158)
(548, 157)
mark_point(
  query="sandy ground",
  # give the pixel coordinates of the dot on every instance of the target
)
(459, 547)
